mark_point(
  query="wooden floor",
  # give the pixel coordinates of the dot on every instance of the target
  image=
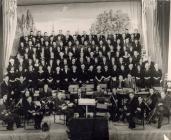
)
(117, 131)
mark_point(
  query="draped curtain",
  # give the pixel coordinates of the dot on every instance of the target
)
(150, 31)
(169, 48)
(9, 28)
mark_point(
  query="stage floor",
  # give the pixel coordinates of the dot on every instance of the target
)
(117, 131)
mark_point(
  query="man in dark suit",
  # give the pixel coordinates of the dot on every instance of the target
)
(130, 110)
(114, 110)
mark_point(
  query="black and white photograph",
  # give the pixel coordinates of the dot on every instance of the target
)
(85, 69)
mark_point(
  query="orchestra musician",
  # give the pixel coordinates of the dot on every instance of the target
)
(163, 107)
(5, 86)
(61, 105)
(32, 110)
(99, 92)
(151, 103)
(140, 108)
(6, 116)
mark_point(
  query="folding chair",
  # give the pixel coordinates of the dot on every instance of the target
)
(140, 121)
(89, 88)
(73, 89)
(101, 110)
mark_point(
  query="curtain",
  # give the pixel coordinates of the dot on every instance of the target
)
(150, 31)
(9, 28)
(169, 48)
(135, 15)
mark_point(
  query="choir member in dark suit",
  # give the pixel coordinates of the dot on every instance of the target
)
(137, 46)
(21, 86)
(156, 75)
(136, 34)
(31, 78)
(21, 49)
(127, 34)
(65, 78)
(147, 76)
(12, 78)
(74, 75)
(49, 77)
(98, 75)
(106, 75)
(90, 74)
(40, 77)
(136, 57)
(58, 78)
(138, 77)
(68, 37)
(38, 36)
(82, 75)
(114, 76)
(122, 71)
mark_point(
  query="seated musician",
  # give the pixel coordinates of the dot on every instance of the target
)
(163, 107)
(32, 111)
(99, 92)
(151, 103)
(10, 112)
(114, 112)
(5, 86)
(46, 92)
(60, 105)
(6, 116)
(129, 81)
(152, 99)
(140, 108)
(121, 82)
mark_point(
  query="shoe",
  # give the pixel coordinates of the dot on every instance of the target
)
(10, 128)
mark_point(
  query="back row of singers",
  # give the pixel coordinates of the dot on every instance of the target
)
(81, 38)
(57, 50)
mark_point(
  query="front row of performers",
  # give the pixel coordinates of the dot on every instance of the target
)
(121, 107)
